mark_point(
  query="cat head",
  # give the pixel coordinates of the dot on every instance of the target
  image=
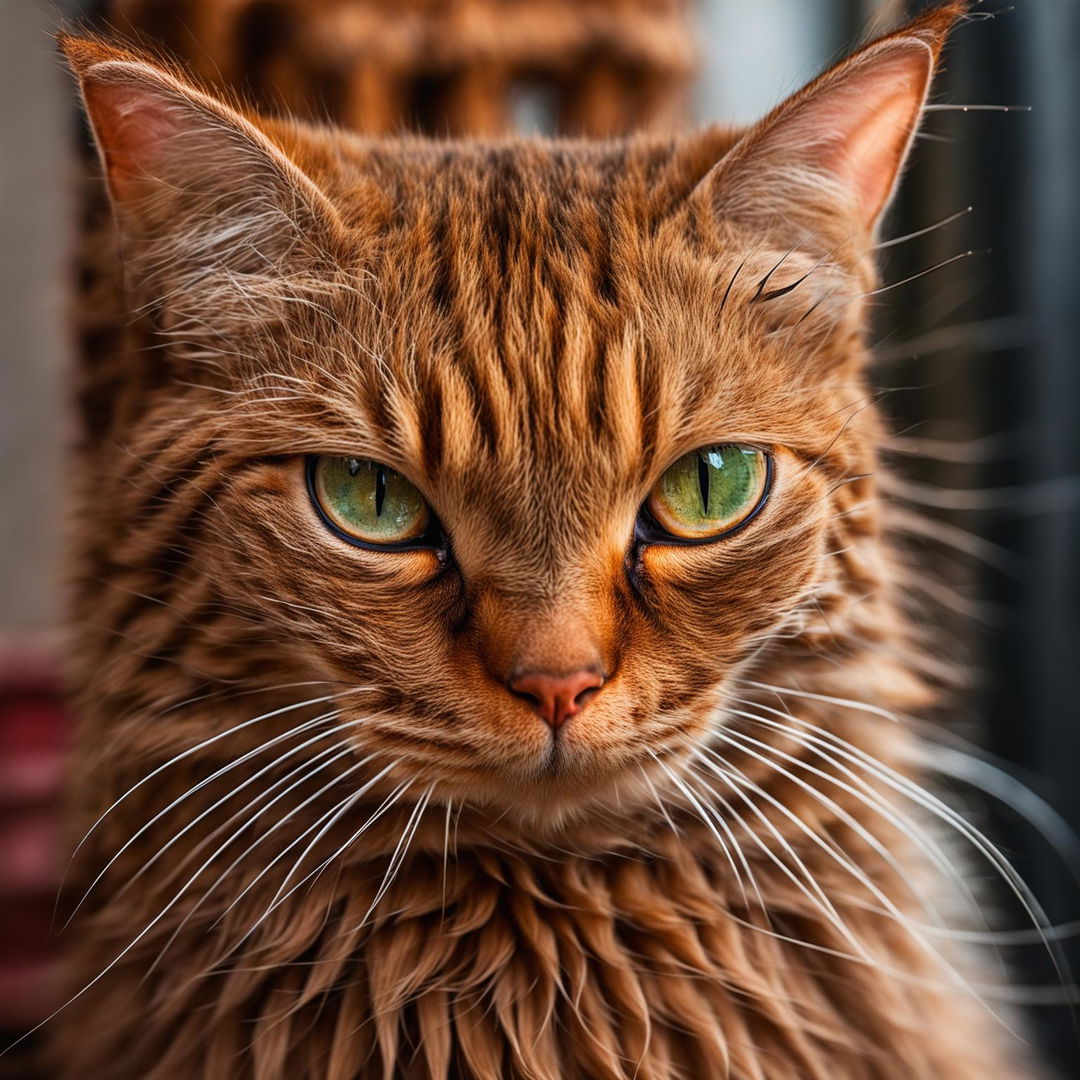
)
(531, 447)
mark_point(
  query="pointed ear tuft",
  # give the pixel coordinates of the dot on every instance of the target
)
(834, 151)
(197, 186)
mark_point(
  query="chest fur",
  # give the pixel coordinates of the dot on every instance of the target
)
(497, 966)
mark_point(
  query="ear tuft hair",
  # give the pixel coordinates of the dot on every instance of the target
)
(206, 201)
(830, 156)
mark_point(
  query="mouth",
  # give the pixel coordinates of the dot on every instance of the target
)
(522, 760)
(556, 759)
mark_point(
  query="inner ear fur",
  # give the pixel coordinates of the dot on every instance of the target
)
(194, 182)
(825, 163)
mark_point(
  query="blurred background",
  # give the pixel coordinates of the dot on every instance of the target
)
(979, 360)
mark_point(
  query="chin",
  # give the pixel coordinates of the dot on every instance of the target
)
(570, 780)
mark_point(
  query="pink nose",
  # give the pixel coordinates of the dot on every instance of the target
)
(555, 698)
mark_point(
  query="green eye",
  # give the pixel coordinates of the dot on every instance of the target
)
(367, 502)
(710, 491)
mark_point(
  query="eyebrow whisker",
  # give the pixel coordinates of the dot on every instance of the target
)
(929, 229)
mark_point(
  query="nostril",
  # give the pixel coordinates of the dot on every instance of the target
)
(525, 695)
(555, 698)
(586, 695)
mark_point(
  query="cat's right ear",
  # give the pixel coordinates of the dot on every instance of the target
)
(824, 164)
(191, 177)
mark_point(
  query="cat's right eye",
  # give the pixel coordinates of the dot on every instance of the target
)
(709, 493)
(369, 504)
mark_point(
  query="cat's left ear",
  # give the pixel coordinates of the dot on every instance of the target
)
(826, 161)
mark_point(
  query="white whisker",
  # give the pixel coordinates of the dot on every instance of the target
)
(345, 807)
(706, 819)
(202, 746)
(198, 787)
(943, 812)
(804, 881)
(913, 929)
(398, 856)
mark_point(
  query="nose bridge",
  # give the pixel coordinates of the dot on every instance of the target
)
(556, 627)
(560, 639)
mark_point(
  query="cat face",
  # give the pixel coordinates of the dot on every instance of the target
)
(536, 461)
(536, 467)
(608, 398)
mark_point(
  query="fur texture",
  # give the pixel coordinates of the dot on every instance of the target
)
(324, 839)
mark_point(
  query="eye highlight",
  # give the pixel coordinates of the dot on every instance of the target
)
(710, 492)
(367, 503)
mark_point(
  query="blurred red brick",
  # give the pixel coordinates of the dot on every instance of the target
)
(33, 739)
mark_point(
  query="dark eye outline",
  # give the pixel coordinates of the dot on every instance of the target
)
(647, 530)
(433, 539)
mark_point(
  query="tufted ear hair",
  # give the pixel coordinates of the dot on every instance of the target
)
(202, 194)
(826, 161)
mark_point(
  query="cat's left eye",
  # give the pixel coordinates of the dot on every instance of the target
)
(709, 493)
(367, 503)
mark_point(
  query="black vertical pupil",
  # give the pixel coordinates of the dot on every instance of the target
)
(703, 483)
(380, 490)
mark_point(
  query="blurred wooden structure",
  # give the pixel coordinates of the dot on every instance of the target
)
(600, 67)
